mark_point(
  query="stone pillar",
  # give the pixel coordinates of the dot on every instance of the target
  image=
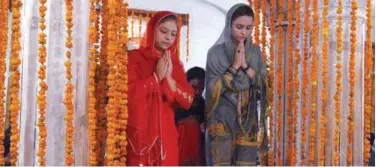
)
(80, 67)
(56, 49)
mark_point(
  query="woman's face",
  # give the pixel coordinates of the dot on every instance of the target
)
(166, 34)
(198, 87)
(241, 28)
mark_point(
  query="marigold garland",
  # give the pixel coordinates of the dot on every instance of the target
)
(263, 155)
(117, 87)
(42, 99)
(315, 34)
(15, 60)
(119, 82)
(123, 80)
(337, 96)
(97, 90)
(279, 108)
(296, 82)
(4, 7)
(139, 27)
(263, 31)
(101, 89)
(132, 24)
(324, 95)
(188, 32)
(352, 77)
(290, 115)
(271, 82)
(368, 83)
(68, 98)
(305, 81)
(112, 106)
(91, 88)
(147, 17)
(256, 34)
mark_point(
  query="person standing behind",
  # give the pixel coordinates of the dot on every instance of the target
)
(190, 123)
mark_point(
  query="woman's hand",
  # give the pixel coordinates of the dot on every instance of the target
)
(161, 68)
(169, 64)
(239, 56)
(202, 127)
(250, 72)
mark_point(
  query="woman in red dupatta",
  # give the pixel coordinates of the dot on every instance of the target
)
(157, 86)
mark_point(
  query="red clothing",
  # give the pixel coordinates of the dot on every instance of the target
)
(151, 130)
(191, 152)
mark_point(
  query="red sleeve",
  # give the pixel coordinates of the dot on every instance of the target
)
(138, 86)
(183, 97)
(143, 94)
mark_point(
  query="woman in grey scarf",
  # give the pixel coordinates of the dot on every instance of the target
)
(236, 101)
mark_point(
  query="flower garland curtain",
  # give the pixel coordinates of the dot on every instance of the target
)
(320, 83)
(92, 61)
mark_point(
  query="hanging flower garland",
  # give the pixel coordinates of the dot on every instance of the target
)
(290, 115)
(337, 96)
(97, 147)
(256, 34)
(132, 24)
(112, 106)
(42, 99)
(101, 88)
(296, 82)
(4, 7)
(271, 82)
(324, 95)
(305, 80)
(312, 127)
(120, 70)
(368, 83)
(279, 158)
(123, 76)
(263, 31)
(139, 27)
(15, 60)
(117, 87)
(147, 17)
(352, 77)
(188, 32)
(68, 98)
(91, 88)
(263, 155)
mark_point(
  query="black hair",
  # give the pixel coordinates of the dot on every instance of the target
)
(168, 18)
(371, 138)
(196, 73)
(242, 11)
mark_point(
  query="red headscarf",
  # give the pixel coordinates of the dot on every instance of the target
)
(148, 40)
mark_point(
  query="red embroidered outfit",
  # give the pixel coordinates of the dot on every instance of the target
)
(151, 130)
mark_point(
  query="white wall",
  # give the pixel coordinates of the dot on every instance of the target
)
(206, 23)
